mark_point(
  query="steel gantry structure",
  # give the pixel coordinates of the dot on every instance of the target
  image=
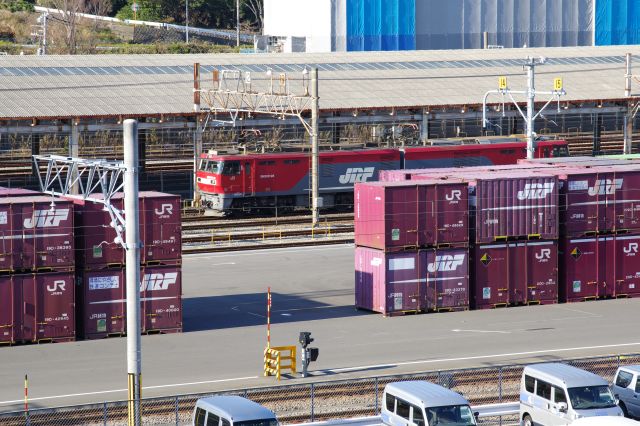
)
(234, 92)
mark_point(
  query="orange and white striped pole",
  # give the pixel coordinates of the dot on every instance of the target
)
(268, 317)
(26, 398)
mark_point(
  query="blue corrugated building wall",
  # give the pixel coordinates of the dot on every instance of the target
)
(617, 22)
(381, 25)
(453, 24)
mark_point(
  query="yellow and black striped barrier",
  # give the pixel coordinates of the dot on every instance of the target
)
(278, 359)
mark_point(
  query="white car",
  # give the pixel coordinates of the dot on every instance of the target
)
(626, 387)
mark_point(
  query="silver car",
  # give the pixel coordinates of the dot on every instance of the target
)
(626, 387)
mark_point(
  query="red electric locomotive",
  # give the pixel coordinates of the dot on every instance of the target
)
(234, 183)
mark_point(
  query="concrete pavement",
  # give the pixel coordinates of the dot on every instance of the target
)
(225, 333)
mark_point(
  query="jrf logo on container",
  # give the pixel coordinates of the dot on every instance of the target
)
(454, 195)
(165, 211)
(544, 255)
(536, 191)
(446, 263)
(158, 281)
(46, 218)
(57, 287)
(631, 249)
(356, 174)
(605, 187)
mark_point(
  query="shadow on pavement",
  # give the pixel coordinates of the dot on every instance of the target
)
(242, 310)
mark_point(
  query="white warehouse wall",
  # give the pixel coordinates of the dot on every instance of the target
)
(301, 18)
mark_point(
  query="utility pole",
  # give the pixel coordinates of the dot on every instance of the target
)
(134, 358)
(315, 110)
(45, 18)
(238, 23)
(531, 98)
(40, 32)
(186, 12)
(197, 133)
(629, 116)
(530, 93)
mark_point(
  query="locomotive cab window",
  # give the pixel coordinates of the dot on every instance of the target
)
(560, 151)
(231, 168)
(210, 166)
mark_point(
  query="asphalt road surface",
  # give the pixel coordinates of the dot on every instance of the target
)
(225, 334)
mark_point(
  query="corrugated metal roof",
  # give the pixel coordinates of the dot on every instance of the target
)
(98, 85)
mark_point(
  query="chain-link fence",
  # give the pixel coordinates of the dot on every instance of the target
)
(320, 400)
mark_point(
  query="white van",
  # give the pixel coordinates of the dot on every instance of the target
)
(424, 404)
(555, 394)
(231, 411)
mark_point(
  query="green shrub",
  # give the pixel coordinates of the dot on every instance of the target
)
(18, 5)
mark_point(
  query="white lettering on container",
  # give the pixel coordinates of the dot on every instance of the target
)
(46, 218)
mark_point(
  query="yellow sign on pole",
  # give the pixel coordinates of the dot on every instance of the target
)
(502, 82)
(557, 84)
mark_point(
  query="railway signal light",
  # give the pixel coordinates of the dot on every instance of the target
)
(308, 354)
(305, 338)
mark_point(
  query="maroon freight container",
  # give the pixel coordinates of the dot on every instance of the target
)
(160, 232)
(17, 192)
(587, 271)
(36, 234)
(102, 297)
(509, 203)
(599, 199)
(37, 308)
(579, 161)
(513, 204)
(627, 265)
(515, 273)
(427, 173)
(447, 279)
(490, 282)
(534, 272)
(425, 280)
(387, 282)
(392, 216)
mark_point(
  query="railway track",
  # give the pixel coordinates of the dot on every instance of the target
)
(202, 234)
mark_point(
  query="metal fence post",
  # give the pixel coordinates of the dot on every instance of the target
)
(104, 413)
(312, 401)
(377, 396)
(177, 415)
(500, 385)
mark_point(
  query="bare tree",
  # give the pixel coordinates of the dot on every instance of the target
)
(98, 8)
(69, 18)
(257, 9)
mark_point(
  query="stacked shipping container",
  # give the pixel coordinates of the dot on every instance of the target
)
(600, 214)
(412, 246)
(43, 297)
(36, 268)
(542, 231)
(101, 290)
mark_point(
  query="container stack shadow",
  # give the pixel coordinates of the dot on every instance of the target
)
(539, 232)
